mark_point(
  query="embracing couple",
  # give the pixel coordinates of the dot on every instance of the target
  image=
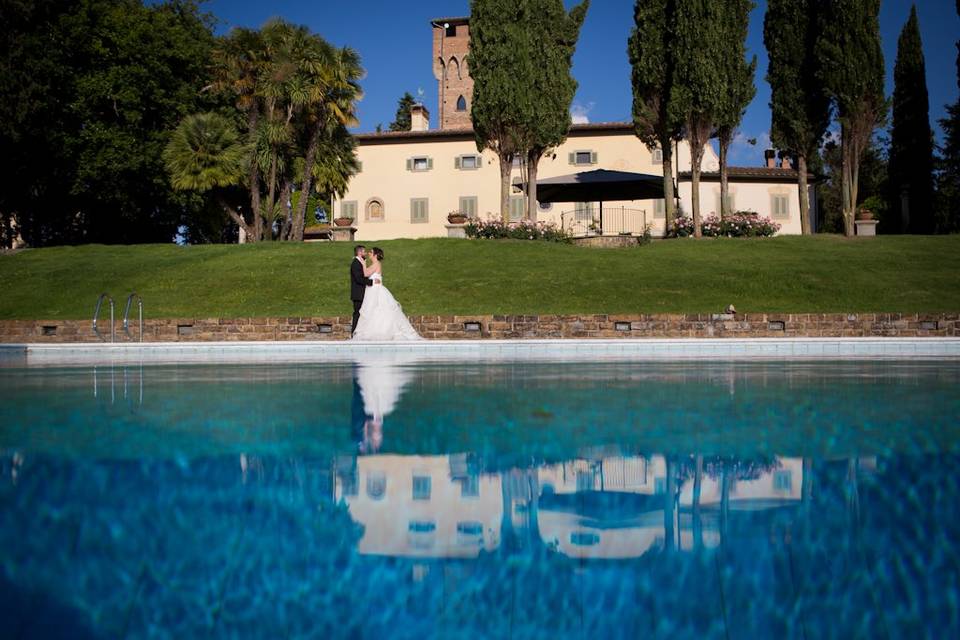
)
(377, 316)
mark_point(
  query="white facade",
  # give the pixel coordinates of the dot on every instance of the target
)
(410, 181)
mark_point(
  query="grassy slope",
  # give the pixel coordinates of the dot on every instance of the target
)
(818, 274)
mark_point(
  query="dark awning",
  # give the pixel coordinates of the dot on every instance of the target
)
(600, 185)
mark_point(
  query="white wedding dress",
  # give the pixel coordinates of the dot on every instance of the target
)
(381, 317)
(381, 386)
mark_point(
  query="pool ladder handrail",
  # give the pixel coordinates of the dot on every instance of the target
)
(96, 316)
(126, 314)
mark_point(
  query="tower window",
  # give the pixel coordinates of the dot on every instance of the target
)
(451, 30)
(461, 104)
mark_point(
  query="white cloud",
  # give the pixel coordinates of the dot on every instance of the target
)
(747, 149)
(579, 113)
(745, 144)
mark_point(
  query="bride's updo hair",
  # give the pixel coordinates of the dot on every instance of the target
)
(377, 251)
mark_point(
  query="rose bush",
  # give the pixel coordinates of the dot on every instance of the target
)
(494, 229)
(742, 224)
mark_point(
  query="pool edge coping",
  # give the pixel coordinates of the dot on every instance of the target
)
(578, 349)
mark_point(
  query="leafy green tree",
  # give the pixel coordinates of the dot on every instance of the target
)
(738, 74)
(553, 34)
(872, 182)
(911, 140)
(800, 108)
(853, 72)
(498, 55)
(401, 121)
(651, 52)
(697, 93)
(90, 92)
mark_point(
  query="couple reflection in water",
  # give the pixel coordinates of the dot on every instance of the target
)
(378, 384)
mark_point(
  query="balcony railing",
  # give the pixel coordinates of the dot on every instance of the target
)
(613, 221)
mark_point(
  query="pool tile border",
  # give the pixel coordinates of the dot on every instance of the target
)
(630, 349)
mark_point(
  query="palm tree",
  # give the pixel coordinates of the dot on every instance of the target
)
(205, 153)
(295, 94)
(332, 80)
(237, 64)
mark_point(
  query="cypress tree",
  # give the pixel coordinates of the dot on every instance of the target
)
(553, 35)
(500, 68)
(852, 71)
(401, 121)
(696, 98)
(911, 140)
(948, 183)
(653, 73)
(738, 74)
(800, 108)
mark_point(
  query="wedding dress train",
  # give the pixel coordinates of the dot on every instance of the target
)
(381, 316)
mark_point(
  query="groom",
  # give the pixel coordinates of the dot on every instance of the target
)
(358, 283)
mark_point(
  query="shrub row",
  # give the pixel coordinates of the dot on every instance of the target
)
(742, 224)
(524, 230)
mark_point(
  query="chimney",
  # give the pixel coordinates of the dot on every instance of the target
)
(770, 155)
(419, 118)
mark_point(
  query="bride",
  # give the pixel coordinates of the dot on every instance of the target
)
(381, 317)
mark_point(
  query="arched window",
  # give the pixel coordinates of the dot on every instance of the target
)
(374, 210)
(454, 68)
(461, 104)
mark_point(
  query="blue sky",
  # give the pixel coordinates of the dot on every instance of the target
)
(394, 42)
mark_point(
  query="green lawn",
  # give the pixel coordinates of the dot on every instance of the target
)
(790, 274)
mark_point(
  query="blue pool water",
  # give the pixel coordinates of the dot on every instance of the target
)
(390, 499)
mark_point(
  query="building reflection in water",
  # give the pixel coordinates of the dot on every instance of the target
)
(606, 503)
(600, 506)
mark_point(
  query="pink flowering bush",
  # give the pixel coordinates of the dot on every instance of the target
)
(494, 229)
(742, 224)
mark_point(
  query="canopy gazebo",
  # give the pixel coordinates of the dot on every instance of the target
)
(601, 185)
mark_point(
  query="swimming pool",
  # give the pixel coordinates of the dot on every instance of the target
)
(389, 498)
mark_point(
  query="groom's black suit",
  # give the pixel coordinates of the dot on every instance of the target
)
(358, 287)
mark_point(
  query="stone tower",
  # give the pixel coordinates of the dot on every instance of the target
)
(451, 43)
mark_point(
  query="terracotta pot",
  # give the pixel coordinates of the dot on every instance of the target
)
(343, 222)
(456, 219)
(864, 214)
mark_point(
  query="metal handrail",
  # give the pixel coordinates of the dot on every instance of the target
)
(126, 314)
(611, 221)
(96, 316)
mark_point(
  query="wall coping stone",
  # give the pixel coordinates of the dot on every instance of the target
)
(454, 327)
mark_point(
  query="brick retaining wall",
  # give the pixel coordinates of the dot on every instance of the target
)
(751, 325)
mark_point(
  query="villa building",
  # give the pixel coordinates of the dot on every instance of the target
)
(409, 181)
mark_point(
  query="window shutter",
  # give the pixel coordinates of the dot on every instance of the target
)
(429, 164)
(409, 164)
(593, 157)
(479, 161)
(573, 158)
(456, 162)
(418, 210)
(517, 204)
